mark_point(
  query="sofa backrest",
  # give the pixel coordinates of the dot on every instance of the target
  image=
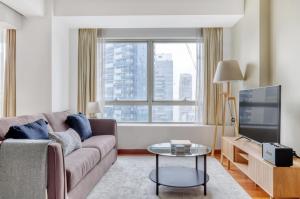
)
(5, 123)
(57, 120)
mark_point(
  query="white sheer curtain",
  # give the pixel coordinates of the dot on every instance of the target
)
(100, 81)
(200, 92)
(2, 67)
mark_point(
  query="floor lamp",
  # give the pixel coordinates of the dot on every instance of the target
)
(227, 72)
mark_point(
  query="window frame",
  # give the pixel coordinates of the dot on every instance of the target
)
(150, 102)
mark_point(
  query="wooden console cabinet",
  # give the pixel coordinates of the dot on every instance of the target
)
(278, 182)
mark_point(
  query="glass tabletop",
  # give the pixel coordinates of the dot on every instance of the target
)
(165, 150)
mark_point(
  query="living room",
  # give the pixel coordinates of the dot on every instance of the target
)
(124, 99)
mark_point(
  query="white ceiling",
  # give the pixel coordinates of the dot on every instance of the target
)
(27, 7)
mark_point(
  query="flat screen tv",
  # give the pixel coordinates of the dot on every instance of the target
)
(259, 114)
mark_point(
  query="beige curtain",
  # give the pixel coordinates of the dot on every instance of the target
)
(100, 82)
(9, 102)
(213, 53)
(87, 52)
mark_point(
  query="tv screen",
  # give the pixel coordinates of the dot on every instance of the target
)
(259, 114)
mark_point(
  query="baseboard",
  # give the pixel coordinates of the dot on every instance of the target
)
(217, 151)
(144, 152)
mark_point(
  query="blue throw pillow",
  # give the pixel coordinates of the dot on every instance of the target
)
(81, 125)
(36, 130)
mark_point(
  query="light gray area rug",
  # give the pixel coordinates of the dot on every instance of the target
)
(128, 178)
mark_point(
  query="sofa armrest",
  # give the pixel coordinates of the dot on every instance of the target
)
(56, 180)
(104, 127)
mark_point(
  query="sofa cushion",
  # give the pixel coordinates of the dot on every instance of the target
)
(57, 120)
(69, 140)
(35, 130)
(80, 124)
(79, 163)
(5, 123)
(104, 143)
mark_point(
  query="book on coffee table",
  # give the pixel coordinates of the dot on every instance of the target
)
(180, 146)
(181, 142)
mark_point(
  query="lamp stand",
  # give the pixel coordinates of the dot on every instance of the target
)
(93, 116)
(228, 100)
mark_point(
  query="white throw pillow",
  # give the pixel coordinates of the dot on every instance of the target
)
(69, 140)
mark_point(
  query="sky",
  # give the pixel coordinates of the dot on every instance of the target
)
(183, 61)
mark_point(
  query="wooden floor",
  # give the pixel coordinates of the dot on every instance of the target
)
(249, 186)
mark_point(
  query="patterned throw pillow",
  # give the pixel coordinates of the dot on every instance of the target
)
(69, 140)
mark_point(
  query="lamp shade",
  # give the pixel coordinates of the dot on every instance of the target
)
(93, 107)
(228, 70)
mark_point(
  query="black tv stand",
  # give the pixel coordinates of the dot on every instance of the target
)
(243, 137)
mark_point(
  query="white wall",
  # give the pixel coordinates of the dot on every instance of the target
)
(227, 43)
(250, 45)
(264, 48)
(141, 136)
(73, 69)
(146, 7)
(9, 18)
(28, 7)
(151, 21)
(151, 33)
(33, 65)
(245, 43)
(285, 45)
(60, 66)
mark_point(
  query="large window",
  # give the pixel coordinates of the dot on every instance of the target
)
(150, 81)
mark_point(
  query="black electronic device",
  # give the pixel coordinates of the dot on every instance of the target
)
(277, 154)
(259, 114)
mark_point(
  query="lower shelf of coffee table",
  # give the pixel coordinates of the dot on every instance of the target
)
(180, 177)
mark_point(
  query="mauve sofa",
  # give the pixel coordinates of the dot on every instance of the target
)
(75, 175)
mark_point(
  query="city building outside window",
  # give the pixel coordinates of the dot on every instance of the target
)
(150, 81)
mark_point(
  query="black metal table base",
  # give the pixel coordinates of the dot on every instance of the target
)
(179, 177)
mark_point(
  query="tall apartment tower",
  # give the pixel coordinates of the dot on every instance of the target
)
(185, 86)
(185, 93)
(163, 85)
(124, 77)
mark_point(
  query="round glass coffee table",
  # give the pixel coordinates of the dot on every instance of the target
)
(179, 177)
